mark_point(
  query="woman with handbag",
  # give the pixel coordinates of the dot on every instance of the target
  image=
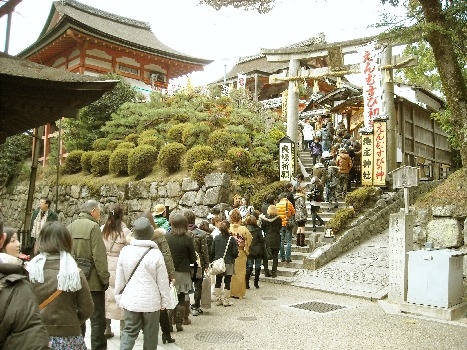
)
(224, 246)
(61, 289)
(271, 225)
(183, 254)
(243, 238)
(301, 215)
(114, 233)
(315, 197)
(256, 250)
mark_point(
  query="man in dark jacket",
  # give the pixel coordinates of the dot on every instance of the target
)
(89, 244)
(200, 241)
(21, 324)
(40, 216)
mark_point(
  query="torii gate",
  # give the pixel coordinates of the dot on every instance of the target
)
(335, 53)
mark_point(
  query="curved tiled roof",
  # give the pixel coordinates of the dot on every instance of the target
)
(124, 31)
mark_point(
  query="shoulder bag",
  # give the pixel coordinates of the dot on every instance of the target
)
(218, 265)
(290, 219)
(132, 272)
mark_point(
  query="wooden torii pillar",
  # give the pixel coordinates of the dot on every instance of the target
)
(336, 52)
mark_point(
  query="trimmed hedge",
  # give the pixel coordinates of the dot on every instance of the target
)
(220, 141)
(241, 160)
(151, 141)
(175, 132)
(141, 159)
(100, 144)
(100, 163)
(197, 154)
(118, 163)
(125, 145)
(170, 156)
(72, 163)
(201, 169)
(86, 161)
(132, 138)
(195, 134)
(260, 196)
(113, 144)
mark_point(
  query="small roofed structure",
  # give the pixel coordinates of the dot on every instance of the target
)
(32, 94)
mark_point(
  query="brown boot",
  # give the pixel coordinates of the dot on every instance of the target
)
(108, 332)
(186, 320)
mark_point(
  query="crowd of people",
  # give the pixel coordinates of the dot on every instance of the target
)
(87, 271)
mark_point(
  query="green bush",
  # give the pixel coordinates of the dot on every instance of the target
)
(361, 197)
(170, 156)
(260, 196)
(141, 159)
(125, 145)
(264, 164)
(72, 163)
(148, 133)
(100, 163)
(113, 144)
(86, 161)
(241, 160)
(340, 219)
(226, 166)
(220, 141)
(198, 153)
(151, 141)
(132, 138)
(15, 150)
(100, 144)
(201, 169)
(195, 134)
(175, 132)
(118, 163)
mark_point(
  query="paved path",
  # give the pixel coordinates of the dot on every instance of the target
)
(267, 319)
(361, 272)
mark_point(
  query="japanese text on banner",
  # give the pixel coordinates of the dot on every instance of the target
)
(371, 83)
(379, 153)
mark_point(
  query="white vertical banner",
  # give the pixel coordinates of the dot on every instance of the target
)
(241, 81)
(371, 83)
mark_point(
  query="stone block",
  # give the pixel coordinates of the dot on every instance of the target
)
(153, 190)
(217, 179)
(214, 195)
(174, 189)
(188, 184)
(188, 199)
(443, 210)
(445, 232)
(201, 211)
(75, 191)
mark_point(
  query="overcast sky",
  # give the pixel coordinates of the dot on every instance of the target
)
(221, 35)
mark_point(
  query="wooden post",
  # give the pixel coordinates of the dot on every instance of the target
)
(389, 108)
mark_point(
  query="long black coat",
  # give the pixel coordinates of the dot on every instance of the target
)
(271, 226)
(257, 243)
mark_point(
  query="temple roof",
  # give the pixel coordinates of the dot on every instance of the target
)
(72, 15)
(33, 94)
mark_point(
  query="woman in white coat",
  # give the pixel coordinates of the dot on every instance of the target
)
(141, 286)
(308, 133)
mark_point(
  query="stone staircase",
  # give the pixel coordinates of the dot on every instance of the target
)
(287, 271)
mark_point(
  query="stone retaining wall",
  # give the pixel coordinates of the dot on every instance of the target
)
(135, 197)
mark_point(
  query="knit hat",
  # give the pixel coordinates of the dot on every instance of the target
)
(159, 209)
(142, 229)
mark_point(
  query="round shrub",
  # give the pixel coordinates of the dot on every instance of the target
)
(86, 161)
(195, 134)
(197, 154)
(220, 141)
(175, 132)
(170, 156)
(125, 145)
(201, 169)
(132, 138)
(141, 159)
(148, 133)
(100, 163)
(100, 144)
(264, 164)
(118, 163)
(241, 160)
(72, 163)
(112, 145)
(151, 141)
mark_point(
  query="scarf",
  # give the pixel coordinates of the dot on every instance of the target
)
(68, 276)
